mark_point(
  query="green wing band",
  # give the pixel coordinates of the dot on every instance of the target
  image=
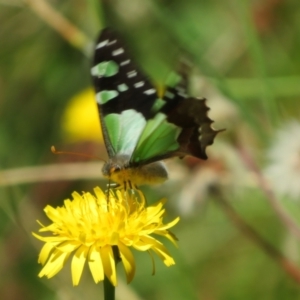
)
(158, 137)
(105, 96)
(124, 130)
(158, 104)
(105, 68)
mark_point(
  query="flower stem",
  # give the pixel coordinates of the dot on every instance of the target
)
(109, 290)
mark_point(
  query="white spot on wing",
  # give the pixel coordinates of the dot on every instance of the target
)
(101, 44)
(125, 62)
(169, 95)
(122, 87)
(131, 74)
(118, 52)
(112, 42)
(150, 92)
(139, 84)
(182, 95)
(105, 96)
(180, 89)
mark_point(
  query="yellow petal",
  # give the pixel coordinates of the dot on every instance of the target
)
(145, 243)
(95, 264)
(45, 252)
(99, 193)
(163, 254)
(50, 239)
(169, 235)
(54, 264)
(68, 246)
(170, 224)
(141, 246)
(109, 266)
(128, 261)
(114, 239)
(154, 212)
(78, 262)
(49, 210)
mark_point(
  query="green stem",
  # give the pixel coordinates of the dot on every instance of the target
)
(109, 290)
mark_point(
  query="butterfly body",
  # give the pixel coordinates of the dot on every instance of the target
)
(119, 170)
(140, 128)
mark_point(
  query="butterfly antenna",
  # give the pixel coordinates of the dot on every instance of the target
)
(54, 151)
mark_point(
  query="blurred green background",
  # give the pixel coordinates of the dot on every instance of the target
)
(246, 62)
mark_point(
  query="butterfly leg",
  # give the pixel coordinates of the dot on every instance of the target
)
(130, 184)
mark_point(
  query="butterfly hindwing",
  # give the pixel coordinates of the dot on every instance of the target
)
(189, 114)
(163, 142)
(157, 141)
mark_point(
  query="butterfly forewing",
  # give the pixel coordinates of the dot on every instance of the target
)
(114, 71)
(124, 95)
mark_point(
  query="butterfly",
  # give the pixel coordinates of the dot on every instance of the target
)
(141, 129)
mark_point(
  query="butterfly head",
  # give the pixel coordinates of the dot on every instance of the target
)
(115, 164)
(115, 168)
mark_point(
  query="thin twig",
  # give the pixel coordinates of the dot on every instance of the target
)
(59, 23)
(290, 268)
(285, 218)
(16, 3)
(55, 172)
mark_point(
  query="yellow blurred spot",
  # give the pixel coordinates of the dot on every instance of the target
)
(81, 121)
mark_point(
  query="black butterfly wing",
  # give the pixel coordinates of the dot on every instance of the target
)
(191, 114)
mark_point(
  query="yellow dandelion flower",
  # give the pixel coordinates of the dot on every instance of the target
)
(81, 118)
(93, 229)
